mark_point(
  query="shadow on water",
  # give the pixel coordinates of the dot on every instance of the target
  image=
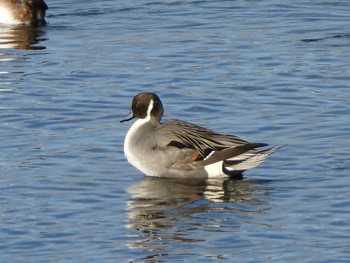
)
(22, 37)
(164, 209)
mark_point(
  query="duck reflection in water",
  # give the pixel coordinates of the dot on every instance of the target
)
(163, 208)
(22, 37)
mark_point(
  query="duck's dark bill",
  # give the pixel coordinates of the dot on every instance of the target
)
(128, 119)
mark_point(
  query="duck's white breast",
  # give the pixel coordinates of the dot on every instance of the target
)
(138, 150)
(132, 148)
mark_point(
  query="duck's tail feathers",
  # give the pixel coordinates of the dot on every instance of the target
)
(245, 161)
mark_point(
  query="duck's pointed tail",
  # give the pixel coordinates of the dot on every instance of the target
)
(246, 161)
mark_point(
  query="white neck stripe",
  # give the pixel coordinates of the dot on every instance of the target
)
(150, 107)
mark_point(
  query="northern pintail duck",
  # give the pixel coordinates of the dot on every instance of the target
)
(23, 11)
(180, 149)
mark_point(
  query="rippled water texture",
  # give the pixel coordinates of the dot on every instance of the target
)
(269, 71)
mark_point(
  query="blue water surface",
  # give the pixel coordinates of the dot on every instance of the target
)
(269, 71)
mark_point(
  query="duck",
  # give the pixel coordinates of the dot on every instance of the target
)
(180, 149)
(23, 12)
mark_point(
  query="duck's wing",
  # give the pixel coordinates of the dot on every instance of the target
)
(183, 134)
(196, 148)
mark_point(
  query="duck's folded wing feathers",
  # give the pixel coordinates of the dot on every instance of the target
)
(230, 153)
(201, 139)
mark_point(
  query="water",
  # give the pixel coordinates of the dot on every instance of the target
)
(268, 71)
